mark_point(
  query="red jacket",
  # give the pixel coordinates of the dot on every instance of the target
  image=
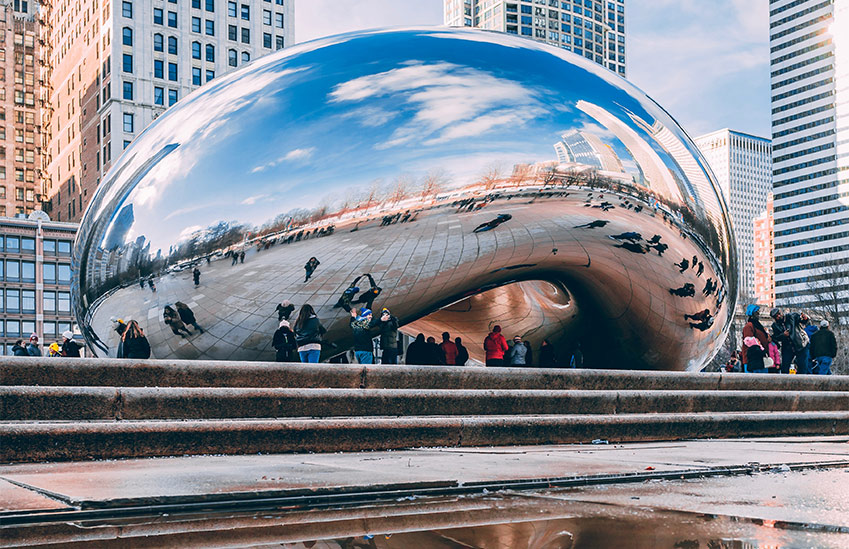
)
(495, 345)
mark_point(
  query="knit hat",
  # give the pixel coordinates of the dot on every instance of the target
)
(364, 313)
(283, 323)
(774, 312)
(751, 342)
(33, 337)
(752, 309)
(68, 334)
(824, 324)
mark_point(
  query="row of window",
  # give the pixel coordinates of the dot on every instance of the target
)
(23, 329)
(21, 193)
(24, 244)
(13, 270)
(162, 17)
(14, 300)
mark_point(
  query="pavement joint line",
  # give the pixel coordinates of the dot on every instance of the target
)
(310, 498)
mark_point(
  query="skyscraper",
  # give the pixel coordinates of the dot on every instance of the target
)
(592, 28)
(115, 66)
(764, 256)
(809, 63)
(21, 109)
(742, 164)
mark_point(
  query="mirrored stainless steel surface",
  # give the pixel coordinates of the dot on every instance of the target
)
(445, 164)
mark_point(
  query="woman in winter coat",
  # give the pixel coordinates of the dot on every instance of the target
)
(187, 315)
(284, 343)
(134, 344)
(754, 328)
(308, 332)
(172, 319)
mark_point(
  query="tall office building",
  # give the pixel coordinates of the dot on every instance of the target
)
(742, 164)
(114, 66)
(809, 63)
(21, 109)
(592, 28)
(764, 257)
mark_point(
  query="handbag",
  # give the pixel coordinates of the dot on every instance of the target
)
(768, 362)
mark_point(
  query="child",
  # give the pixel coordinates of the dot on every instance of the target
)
(755, 354)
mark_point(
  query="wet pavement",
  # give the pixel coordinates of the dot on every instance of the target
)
(764, 493)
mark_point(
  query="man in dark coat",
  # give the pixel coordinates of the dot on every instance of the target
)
(284, 343)
(388, 326)
(786, 334)
(823, 349)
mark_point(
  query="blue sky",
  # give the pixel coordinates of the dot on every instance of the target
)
(705, 61)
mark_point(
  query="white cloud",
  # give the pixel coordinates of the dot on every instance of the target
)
(253, 199)
(295, 155)
(448, 101)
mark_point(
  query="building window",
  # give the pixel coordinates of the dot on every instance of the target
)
(128, 63)
(49, 302)
(172, 19)
(158, 42)
(172, 97)
(28, 272)
(128, 123)
(49, 271)
(196, 77)
(232, 32)
(172, 45)
(196, 4)
(127, 9)
(231, 9)
(210, 75)
(195, 50)
(172, 72)
(49, 246)
(210, 53)
(158, 68)
(266, 40)
(158, 96)
(279, 42)
(278, 20)
(127, 36)
(210, 5)
(63, 273)
(126, 143)
(128, 91)
(246, 12)
(28, 244)
(266, 17)
(64, 302)
(64, 247)
(210, 27)
(195, 24)
(157, 16)
(246, 56)
(233, 58)
(13, 304)
(28, 302)
(246, 36)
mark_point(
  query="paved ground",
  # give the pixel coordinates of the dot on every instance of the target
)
(188, 479)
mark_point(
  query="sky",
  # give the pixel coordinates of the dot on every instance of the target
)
(704, 61)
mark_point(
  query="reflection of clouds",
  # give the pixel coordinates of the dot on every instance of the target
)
(295, 155)
(190, 231)
(253, 199)
(449, 101)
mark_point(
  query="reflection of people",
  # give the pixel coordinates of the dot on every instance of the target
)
(371, 294)
(134, 344)
(196, 276)
(173, 321)
(187, 315)
(242, 257)
(683, 266)
(630, 235)
(151, 284)
(687, 290)
(310, 267)
(284, 310)
(632, 247)
(308, 332)
(348, 295)
(597, 224)
(284, 343)
(493, 223)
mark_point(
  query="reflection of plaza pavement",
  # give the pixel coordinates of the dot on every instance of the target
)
(427, 264)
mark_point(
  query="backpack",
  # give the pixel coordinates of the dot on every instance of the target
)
(803, 336)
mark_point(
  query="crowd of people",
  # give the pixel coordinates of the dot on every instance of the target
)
(793, 344)
(67, 347)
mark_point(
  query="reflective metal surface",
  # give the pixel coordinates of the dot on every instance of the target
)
(443, 163)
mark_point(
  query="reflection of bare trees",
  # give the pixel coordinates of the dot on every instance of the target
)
(491, 177)
(826, 290)
(432, 183)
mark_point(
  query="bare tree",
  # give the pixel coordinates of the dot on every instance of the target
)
(827, 287)
(433, 182)
(400, 189)
(491, 177)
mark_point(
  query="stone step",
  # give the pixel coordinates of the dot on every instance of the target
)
(58, 441)
(188, 373)
(135, 403)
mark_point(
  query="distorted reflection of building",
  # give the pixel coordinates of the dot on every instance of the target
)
(588, 232)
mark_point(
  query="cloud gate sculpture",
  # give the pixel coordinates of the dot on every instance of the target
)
(459, 178)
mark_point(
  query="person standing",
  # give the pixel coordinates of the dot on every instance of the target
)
(449, 350)
(823, 349)
(754, 328)
(462, 352)
(284, 310)
(134, 344)
(70, 348)
(308, 332)
(187, 315)
(417, 351)
(787, 332)
(529, 353)
(495, 346)
(434, 353)
(363, 343)
(388, 326)
(196, 276)
(173, 321)
(310, 267)
(517, 353)
(32, 347)
(18, 348)
(547, 358)
(242, 256)
(284, 343)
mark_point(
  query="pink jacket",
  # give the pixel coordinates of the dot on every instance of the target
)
(775, 354)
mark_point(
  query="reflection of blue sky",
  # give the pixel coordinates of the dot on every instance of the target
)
(291, 130)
